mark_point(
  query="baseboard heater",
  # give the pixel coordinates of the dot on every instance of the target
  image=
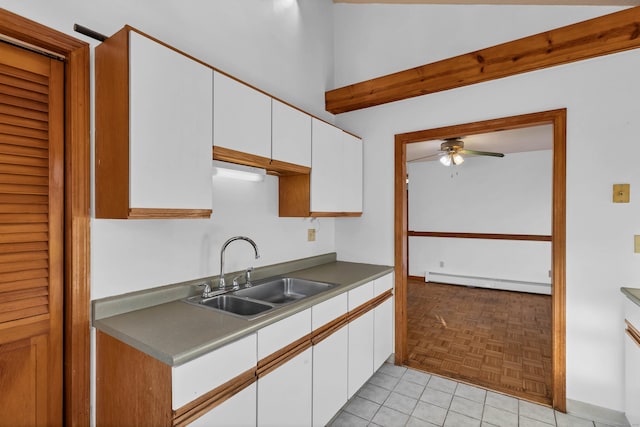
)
(489, 282)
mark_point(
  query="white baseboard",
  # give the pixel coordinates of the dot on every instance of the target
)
(490, 282)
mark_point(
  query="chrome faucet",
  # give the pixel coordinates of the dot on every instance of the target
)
(221, 283)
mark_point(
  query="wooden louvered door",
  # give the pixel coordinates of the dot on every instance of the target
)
(31, 237)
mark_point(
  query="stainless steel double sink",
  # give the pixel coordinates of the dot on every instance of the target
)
(262, 297)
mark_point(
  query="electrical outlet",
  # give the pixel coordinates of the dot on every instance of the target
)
(311, 234)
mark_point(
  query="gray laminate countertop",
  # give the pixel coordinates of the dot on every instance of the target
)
(632, 293)
(175, 332)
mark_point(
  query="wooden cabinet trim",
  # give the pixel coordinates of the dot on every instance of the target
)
(633, 333)
(595, 37)
(282, 356)
(200, 406)
(147, 213)
(328, 329)
(132, 388)
(112, 120)
(369, 305)
(273, 167)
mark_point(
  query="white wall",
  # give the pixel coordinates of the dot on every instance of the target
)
(602, 133)
(281, 46)
(509, 195)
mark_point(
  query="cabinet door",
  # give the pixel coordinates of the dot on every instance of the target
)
(280, 334)
(632, 385)
(238, 411)
(351, 173)
(360, 339)
(199, 376)
(382, 284)
(383, 330)
(284, 395)
(241, 117)
(330, 376)
(170, 98)
(360, 351)
(326, 167)
(291, 134)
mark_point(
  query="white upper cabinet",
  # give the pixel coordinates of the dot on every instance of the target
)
(153, 130)
(351, 173)
(326, 167)
(336, 170)
(291, 135)
(170, 128)
(241, 117)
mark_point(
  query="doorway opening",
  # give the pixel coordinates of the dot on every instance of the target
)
(556, 119)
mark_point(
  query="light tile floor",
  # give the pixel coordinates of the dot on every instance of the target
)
(398, 396)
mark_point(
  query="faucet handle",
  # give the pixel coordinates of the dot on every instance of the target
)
(207, 292)
(236, 284)
(247, 276)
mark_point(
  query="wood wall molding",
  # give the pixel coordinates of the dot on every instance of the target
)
(557, 118)
(488, 236)
(604, 35)
(77, 203)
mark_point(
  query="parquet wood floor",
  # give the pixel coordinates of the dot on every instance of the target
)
(496, 339)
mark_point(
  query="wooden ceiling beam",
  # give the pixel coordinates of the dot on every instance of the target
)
(604, 35)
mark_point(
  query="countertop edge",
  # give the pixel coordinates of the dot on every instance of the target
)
(632, 293)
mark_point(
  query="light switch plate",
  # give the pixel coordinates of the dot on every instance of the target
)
(636, 244)
(621, 193)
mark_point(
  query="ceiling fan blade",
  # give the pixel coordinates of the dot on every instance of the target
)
(481, 153)
(425, 157)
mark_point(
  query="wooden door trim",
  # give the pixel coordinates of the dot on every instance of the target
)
(604, 35)
(77, 205)
(487, 236)
(557, 118)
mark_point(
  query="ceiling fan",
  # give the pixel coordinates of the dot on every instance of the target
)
(452, 149)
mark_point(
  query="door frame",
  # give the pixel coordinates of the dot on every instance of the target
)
(557, 118)
(77, 348)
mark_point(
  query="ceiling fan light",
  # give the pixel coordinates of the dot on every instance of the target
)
(457, 159)
(446, 160)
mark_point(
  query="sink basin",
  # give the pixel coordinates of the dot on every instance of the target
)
(231, 304)
(283, 290)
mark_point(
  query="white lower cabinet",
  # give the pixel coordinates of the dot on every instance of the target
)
(330, 373)
(632, 386)
(237, 411)
(360, 339)
(330, 361)
(383, 323)
(632, 365)
(284, 395)
(199, 376)
(360, 352)
(383, 327)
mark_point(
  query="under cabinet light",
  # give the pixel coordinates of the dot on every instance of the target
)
(239, 172)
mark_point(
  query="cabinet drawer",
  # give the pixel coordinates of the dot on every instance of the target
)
(205, 373)
(360, 295)
(329, 310)
(280, 334)
(383, 284)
